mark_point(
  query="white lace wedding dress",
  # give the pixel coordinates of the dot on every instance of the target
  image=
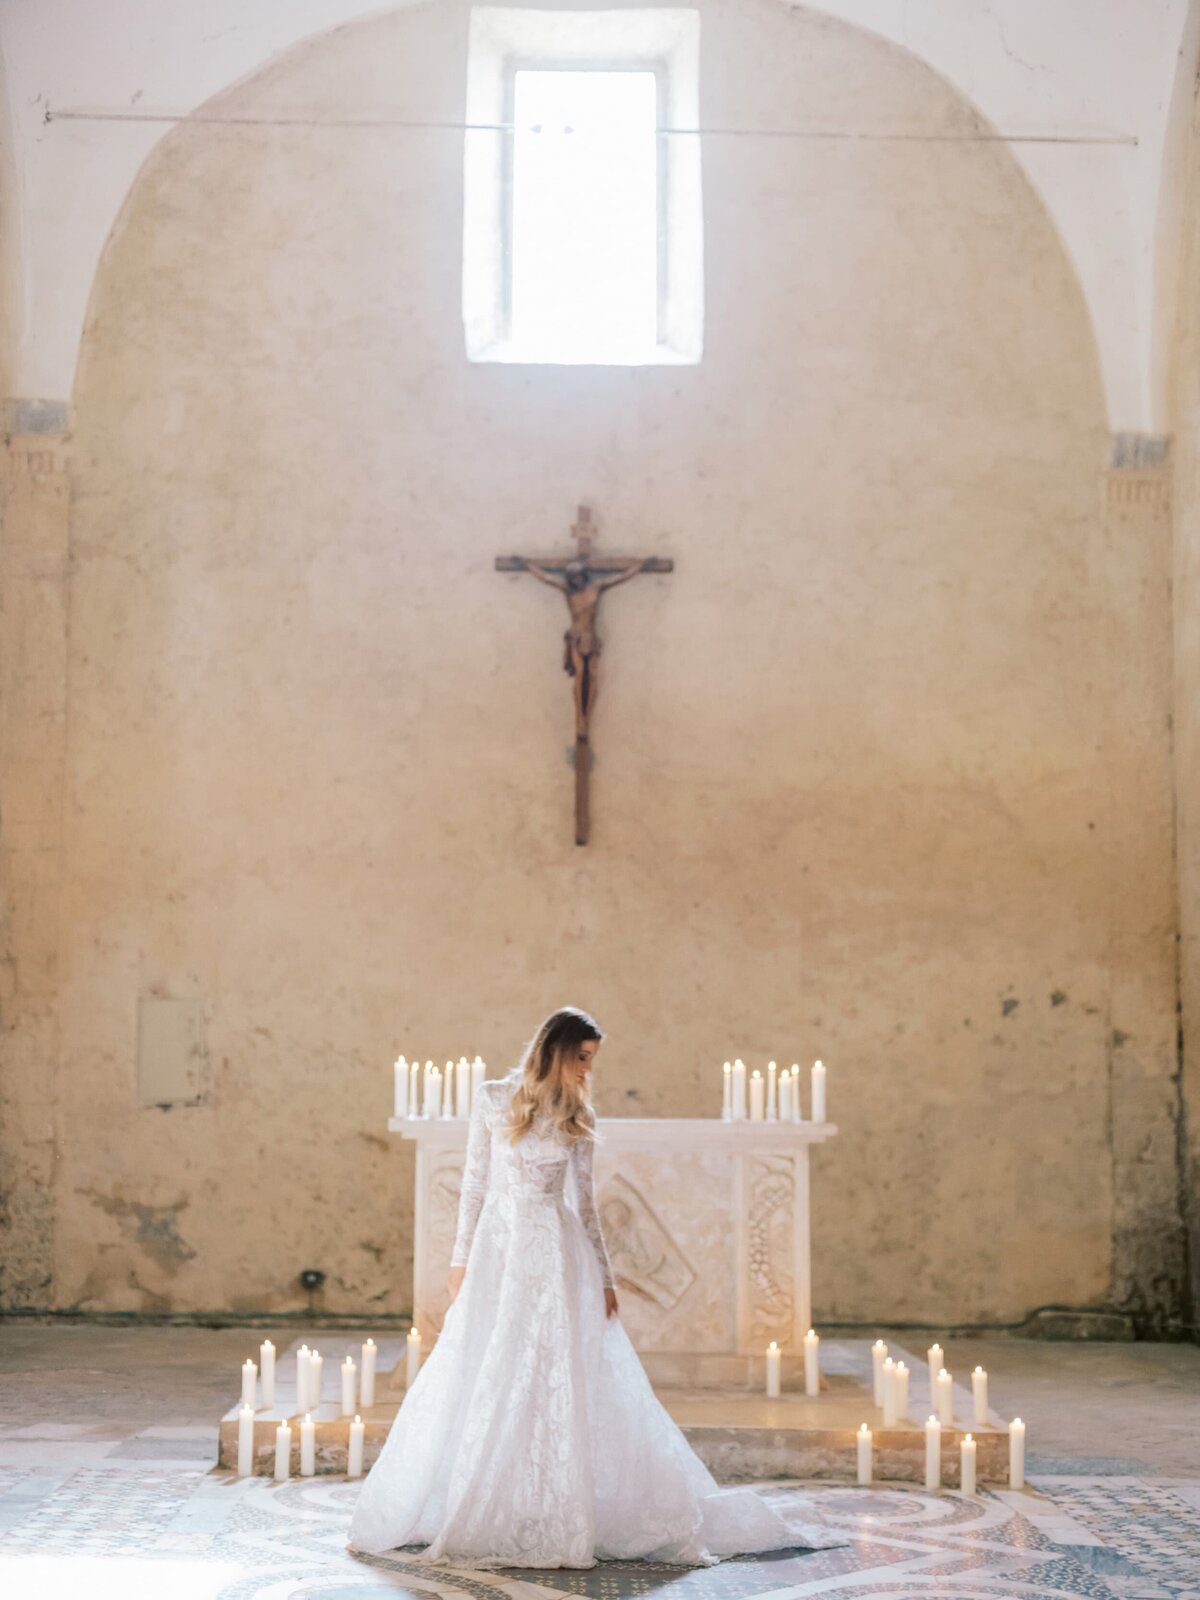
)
(532, 1437)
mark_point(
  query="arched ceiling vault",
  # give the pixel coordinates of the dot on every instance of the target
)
(1086, 100)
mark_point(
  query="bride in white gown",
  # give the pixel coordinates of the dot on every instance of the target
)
(531, 1436)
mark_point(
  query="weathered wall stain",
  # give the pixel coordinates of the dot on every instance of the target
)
(153, 1228)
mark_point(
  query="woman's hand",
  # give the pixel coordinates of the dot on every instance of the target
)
(454, 1280)
(610, 1303)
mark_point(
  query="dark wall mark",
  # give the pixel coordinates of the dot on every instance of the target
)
(153, 1228)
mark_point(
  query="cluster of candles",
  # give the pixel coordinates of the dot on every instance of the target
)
(775, 1098)
(358, 1389)
(889, 1381)
(431, 1092)
(812, 1366)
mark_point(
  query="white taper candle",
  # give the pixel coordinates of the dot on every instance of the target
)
(900, 1389)
(945, 1399)
(812, 1362)
(354, 1454)
(1016, 1454)
(937, 1360)
(864, 1440)
(979, 1394)
(774, 1356)
(366, 1374)
(266, 1367)
(283, 1451)
(878, 1356)
(245, 1441)
(889, 1393)
(462, 1088)
(818, 1092)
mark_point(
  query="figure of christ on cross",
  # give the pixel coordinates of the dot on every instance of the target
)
(583, 578)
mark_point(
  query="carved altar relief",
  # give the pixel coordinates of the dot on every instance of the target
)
(707, 1224)
(687, 1194)
(645, 1258)
(769, 1187)
(445, 1184)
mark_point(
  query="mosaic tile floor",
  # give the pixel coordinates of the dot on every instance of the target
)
(108, 1491)
(85, 1519)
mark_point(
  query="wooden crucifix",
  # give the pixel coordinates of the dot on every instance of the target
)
(583, 578)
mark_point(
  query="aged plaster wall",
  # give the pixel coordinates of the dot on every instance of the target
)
(1181, 368)
(34, 506)
(882, 768)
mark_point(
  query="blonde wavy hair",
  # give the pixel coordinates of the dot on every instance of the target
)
(545, 1084)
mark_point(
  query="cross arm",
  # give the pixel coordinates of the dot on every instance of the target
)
(593, 563)
(634, 569)
(616, 564)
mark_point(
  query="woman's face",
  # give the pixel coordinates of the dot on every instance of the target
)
(585, 1055)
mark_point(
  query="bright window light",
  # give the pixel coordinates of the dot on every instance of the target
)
(583, 224)
(585, 216)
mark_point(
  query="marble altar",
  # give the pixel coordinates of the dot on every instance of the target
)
(707, 1223)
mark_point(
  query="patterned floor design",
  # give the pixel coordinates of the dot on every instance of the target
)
(107, 1521)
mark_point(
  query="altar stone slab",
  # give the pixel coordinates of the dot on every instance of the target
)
(707, 1224)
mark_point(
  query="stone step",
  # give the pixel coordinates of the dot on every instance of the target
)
(737, 1433)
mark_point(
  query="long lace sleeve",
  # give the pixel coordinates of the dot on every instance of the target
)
(582, 1154)
(474, 1178)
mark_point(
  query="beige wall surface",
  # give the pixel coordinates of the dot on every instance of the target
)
(882, 768)
(1181, 339)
